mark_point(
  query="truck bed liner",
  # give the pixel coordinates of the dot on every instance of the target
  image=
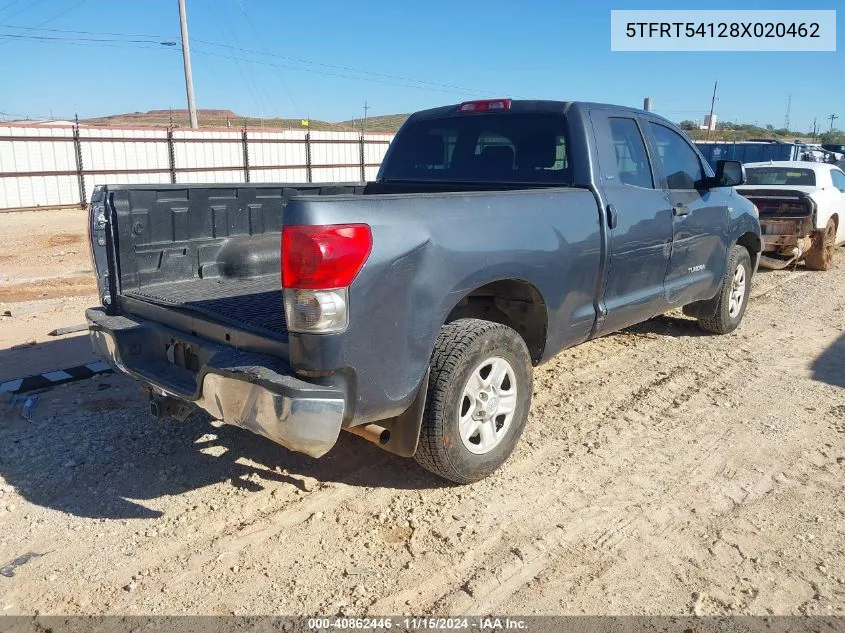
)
(254, 304)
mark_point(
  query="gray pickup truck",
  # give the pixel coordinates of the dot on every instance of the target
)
(412, 309)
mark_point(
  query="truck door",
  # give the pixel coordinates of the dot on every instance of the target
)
(700, 217)
(639, 221)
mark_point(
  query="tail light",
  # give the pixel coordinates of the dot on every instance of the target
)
(97, 241)
(319, 263)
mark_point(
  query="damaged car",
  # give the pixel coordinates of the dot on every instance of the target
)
(801, 208)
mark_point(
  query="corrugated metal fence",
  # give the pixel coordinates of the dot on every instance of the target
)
(58, 165)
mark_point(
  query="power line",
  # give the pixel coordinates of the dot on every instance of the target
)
(80, 39)
(35, 28)
(260, 89)
(442, 87)
(55, 17)
(253, 93)
(58, 15)
(355, 70)
(332, 74)
(153, 46)
(24, 10)
(242, 6)
(9, 4)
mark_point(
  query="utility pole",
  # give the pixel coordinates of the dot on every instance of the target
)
(815, 128)
(364, 123)
(186, 57)
(786, 120)
(712, 108)
(832, 118)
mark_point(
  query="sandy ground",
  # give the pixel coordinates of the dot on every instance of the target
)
(44, 254)
(46, 282)
(662, 471)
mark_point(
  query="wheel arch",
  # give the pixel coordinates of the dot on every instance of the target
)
(513, 302)
(751, 242)
(706, 308)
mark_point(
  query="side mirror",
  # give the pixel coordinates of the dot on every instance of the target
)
(729, 173)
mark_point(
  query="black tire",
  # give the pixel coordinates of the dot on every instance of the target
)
(820, 255)
(723, 322)
(461, 348)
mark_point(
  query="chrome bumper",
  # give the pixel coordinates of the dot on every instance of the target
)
(239, 388)
(307, 425)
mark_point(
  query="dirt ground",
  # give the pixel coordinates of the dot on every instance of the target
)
(662, 471)
(46, 282)
(43, 255)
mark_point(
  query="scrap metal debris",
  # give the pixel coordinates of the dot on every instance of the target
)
(70, 329)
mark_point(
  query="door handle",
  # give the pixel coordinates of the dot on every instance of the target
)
(680, 209)
(612, 216)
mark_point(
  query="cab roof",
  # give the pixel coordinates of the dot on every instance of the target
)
(537, 106)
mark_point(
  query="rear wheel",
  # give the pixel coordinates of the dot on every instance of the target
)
(820, 255)
(478, 399)
(733, 295)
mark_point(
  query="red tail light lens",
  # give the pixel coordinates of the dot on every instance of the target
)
(321, 257)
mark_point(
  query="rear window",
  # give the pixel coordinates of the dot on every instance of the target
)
(780, 176)
(490, 147)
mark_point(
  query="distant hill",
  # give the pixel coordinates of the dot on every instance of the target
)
(228, 118)
(383, 123)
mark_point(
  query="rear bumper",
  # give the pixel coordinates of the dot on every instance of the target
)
(253, 391)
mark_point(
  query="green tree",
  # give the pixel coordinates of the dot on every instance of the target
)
(833, 137)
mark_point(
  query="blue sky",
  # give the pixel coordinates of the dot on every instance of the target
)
(461, 49)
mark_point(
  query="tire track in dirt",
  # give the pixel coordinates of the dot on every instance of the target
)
(510, 574)
(644, 450)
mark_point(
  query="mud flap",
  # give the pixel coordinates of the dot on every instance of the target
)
(405, 428)
(702, 309)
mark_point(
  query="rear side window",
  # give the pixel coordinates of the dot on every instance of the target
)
(488, 147)
(838, 179)
(631, 157)
(678, 160)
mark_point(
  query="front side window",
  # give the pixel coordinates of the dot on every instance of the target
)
(838, 179)
(678, 160)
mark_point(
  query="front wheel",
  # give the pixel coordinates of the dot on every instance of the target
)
(733, 294)
(478, 399)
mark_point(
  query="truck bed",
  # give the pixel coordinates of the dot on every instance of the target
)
(253, 304)
(214, 251)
